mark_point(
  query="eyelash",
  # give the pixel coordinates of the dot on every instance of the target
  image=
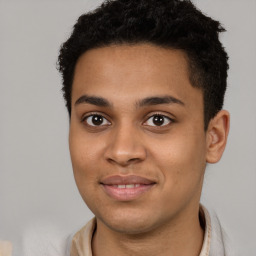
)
(169, 120)
(85, 119)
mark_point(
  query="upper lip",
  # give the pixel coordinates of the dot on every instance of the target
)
(124, 180)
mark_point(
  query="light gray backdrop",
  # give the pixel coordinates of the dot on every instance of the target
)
(36, 180)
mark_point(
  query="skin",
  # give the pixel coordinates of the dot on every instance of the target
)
(173, 155)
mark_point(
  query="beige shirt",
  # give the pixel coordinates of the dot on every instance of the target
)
(40, 243)
(214, 244)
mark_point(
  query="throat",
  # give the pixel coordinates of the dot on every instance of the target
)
(159, 242)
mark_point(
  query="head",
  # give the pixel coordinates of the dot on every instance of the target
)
(144, 83)
(169, 24)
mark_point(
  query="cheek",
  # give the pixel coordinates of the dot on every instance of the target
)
(181, 160)
(84, 159)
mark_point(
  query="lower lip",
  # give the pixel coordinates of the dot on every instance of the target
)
(126, 194)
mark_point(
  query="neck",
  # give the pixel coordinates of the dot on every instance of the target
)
(180, 237)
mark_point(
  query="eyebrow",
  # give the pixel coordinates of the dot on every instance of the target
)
(159, 100)
(97, 101)
(149, 101)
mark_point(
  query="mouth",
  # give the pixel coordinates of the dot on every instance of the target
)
(126, 188)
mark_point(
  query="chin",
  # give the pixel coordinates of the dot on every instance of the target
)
(132, 223)
(130, 227)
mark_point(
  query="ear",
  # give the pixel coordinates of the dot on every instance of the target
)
(217, 134)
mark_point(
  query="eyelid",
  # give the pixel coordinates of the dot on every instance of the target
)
(172, 120)
(87, 115)
(93, 113)
(165, 115)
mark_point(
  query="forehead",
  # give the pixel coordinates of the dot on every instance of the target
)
(133, 71)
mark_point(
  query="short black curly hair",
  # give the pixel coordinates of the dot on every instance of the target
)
(174, 24)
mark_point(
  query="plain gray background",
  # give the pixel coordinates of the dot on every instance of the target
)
(36, 179)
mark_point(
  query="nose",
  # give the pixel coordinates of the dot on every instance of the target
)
(125, 147)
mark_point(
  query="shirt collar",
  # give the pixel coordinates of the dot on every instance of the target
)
(205, 217)
(82, 240)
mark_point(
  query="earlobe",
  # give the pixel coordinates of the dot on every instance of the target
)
(217, 134)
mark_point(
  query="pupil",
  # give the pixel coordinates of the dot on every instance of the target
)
(97, 120)
(158, 120)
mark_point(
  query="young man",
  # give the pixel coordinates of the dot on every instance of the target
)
(144, 84)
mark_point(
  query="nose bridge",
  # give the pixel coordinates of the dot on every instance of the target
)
(125, 145)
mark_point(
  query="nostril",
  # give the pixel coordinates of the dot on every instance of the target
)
(124, 161)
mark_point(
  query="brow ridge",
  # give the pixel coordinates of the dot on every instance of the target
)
(155, 100)
(94, 100)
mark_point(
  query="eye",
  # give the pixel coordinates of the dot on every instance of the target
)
(158, 120)
(95, 120)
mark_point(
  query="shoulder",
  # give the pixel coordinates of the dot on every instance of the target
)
(220, 244)
(80, 243)
(44, 239)
(41, 239)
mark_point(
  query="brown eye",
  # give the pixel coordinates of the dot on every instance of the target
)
(158, 120)
(96, 120)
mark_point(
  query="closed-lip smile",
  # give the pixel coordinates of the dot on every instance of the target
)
(126, 188)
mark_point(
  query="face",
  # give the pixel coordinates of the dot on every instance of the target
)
(137, 139)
